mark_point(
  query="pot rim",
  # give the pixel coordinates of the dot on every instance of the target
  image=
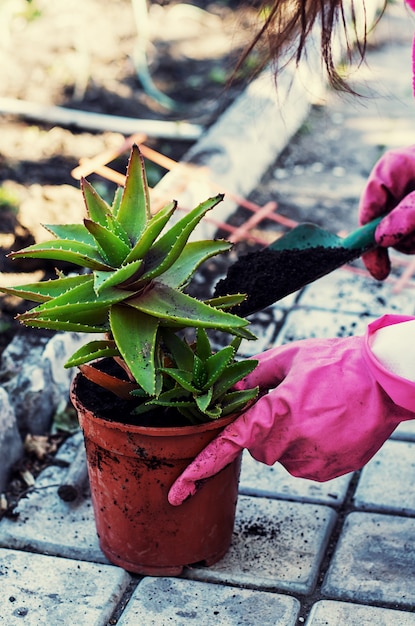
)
(154, 431)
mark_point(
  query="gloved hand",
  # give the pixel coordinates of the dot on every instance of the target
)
(390, 191)
(332, 406)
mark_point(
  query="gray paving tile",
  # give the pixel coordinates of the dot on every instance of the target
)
(387, 481)
(331, 613)
(168, 601)
(374, 560)
(405, 431)
(263, 324)
(276, 545)
(258, 479)
(47, 524)
(37, 589)
(305, 323)
(345, 291)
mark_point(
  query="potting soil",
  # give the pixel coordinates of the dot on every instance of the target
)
(269, 275)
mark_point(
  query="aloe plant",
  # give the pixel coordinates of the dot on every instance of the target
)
(135, 267)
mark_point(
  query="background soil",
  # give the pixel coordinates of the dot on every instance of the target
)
(82, 55)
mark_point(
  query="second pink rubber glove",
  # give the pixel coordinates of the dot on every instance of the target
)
(332, 406)
(390, 191)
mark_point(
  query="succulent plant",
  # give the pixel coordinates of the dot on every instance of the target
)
(135, 267)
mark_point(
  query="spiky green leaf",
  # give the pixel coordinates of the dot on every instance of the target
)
(180, 351)
(111, 247)
(135, 335)
(238, 400)
(174, 398)
(169, 246)
(120, 277)
(72, 232)
(173, 306)
(203, 348)
(134, 210)
(226, 302)
(64, 317)
(115, 227)
(217, 364)
(199, 372)
(151, 232)
(203, 402)
(64, 250)
(98, 210)
(52, 323)
(79, 305)
(91, 351)
(231, 375)
(101, 213)
(116, 203)
(46, 290)
(243, 333)
(82, 294)
(235, 343)
(193, 255)
(183, 378)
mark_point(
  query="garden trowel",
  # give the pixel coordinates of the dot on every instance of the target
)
(301, 256)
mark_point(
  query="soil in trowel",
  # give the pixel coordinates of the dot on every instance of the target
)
(269, 275)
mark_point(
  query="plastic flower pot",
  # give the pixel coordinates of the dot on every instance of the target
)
(131, 469)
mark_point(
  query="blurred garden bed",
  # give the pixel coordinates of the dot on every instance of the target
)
(84, 55)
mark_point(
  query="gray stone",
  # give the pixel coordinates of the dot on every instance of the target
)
(276, 546)
(16, 353)
(387, 481)
(38, 589)
(56, 353)
(374, 560)
(258, 479)
(331, 613)
(37, 380)
(11, 446)
(159, 601)
(32, 397)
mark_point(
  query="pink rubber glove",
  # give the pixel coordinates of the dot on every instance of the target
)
(390, 190)
(332, 406)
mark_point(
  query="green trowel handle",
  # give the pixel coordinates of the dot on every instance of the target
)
(308, 235)
(363, 237)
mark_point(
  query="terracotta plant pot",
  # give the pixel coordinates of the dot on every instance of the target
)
(131, 469)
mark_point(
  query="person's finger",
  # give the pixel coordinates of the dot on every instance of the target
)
(397, 229)
(377, 263)
(406, 245)
(217, 455)
(272, 368)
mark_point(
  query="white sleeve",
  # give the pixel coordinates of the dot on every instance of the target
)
(394, 347)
